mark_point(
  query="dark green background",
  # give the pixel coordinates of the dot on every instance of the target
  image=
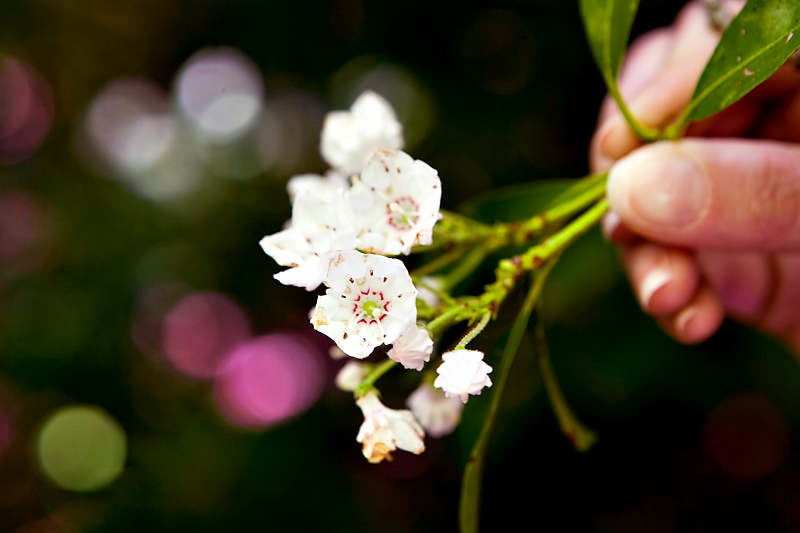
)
(65, 326)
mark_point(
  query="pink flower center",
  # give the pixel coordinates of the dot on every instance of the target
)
(403, 213)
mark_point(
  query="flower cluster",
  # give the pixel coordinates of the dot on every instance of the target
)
(388, 205)
(375, 201)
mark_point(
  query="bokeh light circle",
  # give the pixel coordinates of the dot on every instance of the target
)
(199, 331)
(81, 448)
(269, 379)
(747, 436)
(26, 110)
(130, 124)
(24, 225)
(221, 92)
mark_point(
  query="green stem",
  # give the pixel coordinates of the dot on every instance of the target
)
(559, 241)
(442, 295)
(439, 263)
(677, 129)
(509, 270)
(457, 230)
(443, 320)
(569, 207)
(581, 437)
(466, 267)
(469, 505)
(474, 332)
(366, 385)
(643, 132)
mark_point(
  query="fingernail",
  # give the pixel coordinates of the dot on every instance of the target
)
(684, 320)
(614, 138)
(609, 224)
(654, 280)
(657, 185)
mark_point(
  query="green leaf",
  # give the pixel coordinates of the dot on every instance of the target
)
(516, 202)
(755, 44)
(608, 27)
(469, 504)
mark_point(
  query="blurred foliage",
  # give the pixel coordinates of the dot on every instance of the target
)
(513, 98)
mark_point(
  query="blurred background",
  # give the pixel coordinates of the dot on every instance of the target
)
(153, 375)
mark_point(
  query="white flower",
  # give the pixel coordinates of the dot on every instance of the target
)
(349, 138)
(436, 413)
(396, 203)
(462, 373)
(320, 226)
(385, 430)
(322, 186)
(351, 375)
(370, 301)
(413, 348)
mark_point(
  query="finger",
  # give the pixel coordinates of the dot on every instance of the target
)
(734, 121)
(644, 60)
(782, 312)
(742, 281)
(614, 230)
(711, 193)
(766, 111)
(664, 279)
(794, 339)
(667, 93)
(696, 322)
(783, 124)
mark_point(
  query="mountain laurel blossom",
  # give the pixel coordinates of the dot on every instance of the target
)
(413, 348)
(462, 373)
(370, 301)
(349, 138)
(396, 202)
(320, 226)
(384, 430)
(436, 413)
(326, 185)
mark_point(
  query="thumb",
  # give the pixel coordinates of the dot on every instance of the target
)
(711, 193)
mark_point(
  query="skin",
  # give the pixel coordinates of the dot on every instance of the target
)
(708, 226)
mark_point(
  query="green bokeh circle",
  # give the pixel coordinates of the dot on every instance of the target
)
(81, 448)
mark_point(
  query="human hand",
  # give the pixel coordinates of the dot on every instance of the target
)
(707, 227)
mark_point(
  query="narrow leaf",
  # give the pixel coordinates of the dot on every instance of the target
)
(469, 505)
(608, 26)
(755, 44)
(581, 437)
